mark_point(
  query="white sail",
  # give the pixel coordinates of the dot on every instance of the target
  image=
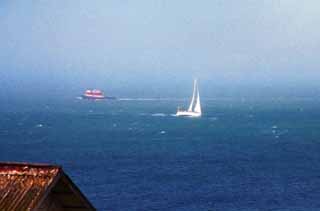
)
(197, 108)
(193, 96)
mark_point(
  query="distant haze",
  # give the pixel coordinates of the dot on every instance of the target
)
(154, 48)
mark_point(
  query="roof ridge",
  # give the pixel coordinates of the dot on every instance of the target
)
(25, 164)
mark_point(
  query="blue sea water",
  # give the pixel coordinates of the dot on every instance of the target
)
(135, 155)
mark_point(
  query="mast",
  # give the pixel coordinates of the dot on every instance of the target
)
(193, 95)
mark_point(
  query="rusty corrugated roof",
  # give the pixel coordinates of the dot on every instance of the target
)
(29, 187)
(22, 185)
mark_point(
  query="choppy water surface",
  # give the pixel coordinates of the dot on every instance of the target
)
(136, 155)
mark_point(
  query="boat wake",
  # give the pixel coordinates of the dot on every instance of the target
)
(151, 99)
(159, 114)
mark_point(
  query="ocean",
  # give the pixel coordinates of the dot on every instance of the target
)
(135, 155)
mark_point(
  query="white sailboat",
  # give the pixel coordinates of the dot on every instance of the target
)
(194, 109)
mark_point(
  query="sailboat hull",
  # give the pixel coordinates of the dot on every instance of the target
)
(188, 114)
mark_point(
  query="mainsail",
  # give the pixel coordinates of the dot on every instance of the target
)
(195, 105)
(193, 96)
(197, 108)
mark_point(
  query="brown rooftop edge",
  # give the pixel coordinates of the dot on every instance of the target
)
(39, 187)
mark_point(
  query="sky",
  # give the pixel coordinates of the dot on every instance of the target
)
(155, 48)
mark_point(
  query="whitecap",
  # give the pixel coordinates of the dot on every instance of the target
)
(39, 125)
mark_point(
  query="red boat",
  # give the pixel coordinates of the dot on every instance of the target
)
(95, 94)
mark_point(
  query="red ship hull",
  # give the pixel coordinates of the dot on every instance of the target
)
(95, 95)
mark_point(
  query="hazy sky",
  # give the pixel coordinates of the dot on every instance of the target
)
(127, 46)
